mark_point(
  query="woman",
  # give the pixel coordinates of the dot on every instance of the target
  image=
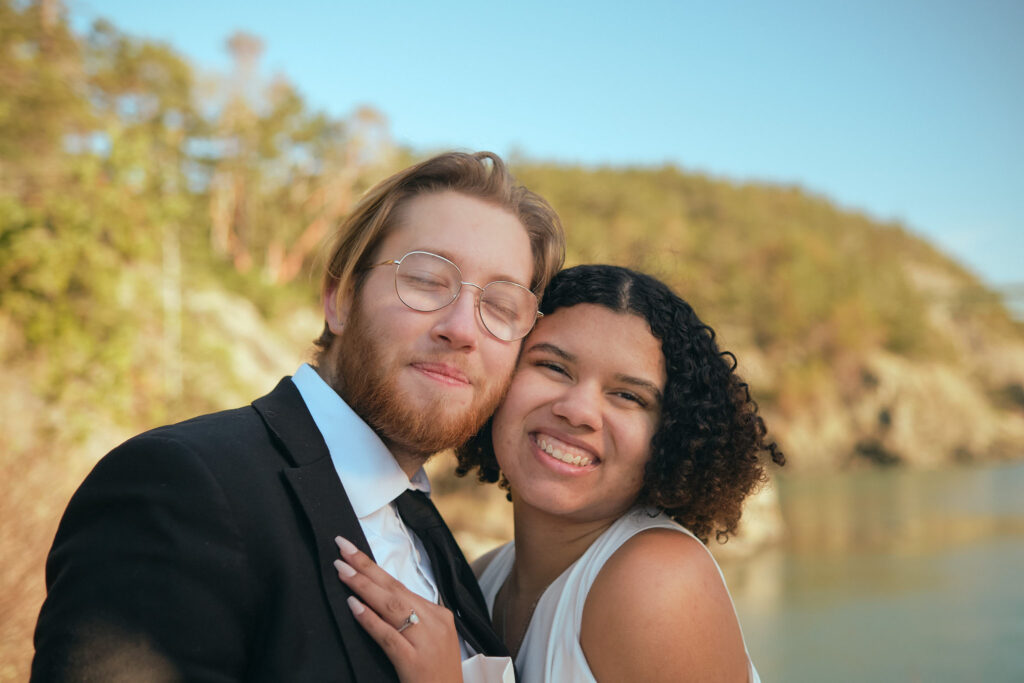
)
(626, 440)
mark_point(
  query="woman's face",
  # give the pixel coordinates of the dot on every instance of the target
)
(574, 432)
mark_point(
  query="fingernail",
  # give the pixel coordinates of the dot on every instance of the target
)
(345, 546)
(344, 569)
(354, 605)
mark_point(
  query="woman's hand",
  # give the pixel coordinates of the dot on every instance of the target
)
(423, 648)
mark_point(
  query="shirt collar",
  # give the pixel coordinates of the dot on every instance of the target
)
(367, 469)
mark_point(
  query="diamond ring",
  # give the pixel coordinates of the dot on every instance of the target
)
(413, 618)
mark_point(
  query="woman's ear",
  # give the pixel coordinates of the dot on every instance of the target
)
(337, 306)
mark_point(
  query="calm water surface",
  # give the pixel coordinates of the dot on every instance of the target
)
(891, 575)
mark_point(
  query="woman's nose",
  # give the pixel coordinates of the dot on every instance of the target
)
(580, 406)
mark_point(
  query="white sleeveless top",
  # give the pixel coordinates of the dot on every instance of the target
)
(551, 651)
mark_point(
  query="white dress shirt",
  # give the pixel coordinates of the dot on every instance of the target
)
(372, 479)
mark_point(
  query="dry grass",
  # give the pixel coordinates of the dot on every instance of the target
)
(36, 489)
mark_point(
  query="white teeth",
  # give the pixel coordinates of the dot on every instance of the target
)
(561, 453)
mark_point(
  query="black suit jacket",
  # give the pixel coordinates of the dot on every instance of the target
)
(203, 551)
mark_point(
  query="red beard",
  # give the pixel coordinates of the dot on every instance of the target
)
(363, 379)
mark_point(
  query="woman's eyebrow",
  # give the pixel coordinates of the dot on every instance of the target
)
(551, 348)
(641, 383)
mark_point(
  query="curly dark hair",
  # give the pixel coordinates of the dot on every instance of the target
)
(706, 454)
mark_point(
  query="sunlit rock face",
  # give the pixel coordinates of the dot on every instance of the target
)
(904, 412)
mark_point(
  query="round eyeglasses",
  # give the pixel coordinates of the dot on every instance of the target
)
(428, 282)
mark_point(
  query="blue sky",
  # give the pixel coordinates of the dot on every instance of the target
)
(906, 110)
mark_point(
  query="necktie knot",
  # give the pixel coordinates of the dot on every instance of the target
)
(417, 511)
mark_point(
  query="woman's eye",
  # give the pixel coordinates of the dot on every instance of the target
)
(554, 367)
(633, 398)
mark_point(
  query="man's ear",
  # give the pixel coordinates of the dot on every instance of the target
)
(336, 308)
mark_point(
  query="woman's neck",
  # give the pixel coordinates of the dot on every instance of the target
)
(546, 545)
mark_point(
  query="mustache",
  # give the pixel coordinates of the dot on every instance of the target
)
(450, 358)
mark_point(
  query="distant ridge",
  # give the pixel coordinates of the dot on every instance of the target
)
(1013, 296)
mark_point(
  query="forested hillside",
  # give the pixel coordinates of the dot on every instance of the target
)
(159, 228)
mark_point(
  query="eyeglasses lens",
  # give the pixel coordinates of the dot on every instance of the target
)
(508, 310)
(426, 282)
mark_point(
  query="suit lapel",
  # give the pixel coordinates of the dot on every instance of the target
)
(326, 506)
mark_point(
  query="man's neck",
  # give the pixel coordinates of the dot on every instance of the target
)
(409, 462)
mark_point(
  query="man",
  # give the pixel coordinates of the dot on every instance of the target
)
(205, 550)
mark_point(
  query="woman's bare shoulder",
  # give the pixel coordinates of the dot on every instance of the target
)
(671, 613)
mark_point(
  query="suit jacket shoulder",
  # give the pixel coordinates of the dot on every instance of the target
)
(203, 551)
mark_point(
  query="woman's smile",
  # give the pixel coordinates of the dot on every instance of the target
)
(563, 451)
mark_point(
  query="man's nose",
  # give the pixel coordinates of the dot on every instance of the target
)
(459, 322)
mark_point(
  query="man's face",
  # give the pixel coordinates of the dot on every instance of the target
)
(427, 381)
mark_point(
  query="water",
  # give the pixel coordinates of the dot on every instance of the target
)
(891, 575)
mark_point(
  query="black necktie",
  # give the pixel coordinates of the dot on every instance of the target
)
(458, 587)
